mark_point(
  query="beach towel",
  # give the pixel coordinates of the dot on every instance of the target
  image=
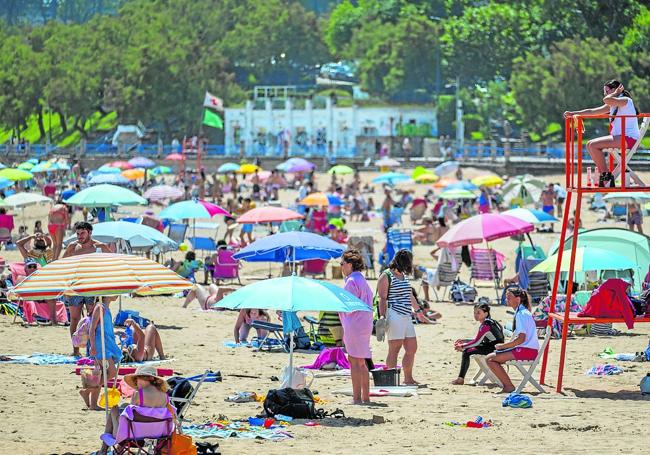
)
(39, 359)
(327, 356)
(610, 300)
(41, 310)
(604, 370)
(241, 430)
(517, 400)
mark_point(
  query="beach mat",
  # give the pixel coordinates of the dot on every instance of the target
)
(38, 358)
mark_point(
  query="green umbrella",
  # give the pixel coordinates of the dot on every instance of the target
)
(341, 169)
(526, 187)
(106, 196)
(26, 166)
(587, 258)
(457, 194)
(16, 174)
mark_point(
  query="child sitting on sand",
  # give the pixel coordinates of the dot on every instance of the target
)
(489, 334)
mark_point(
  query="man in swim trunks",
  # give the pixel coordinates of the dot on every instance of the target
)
(58, 220)
(83, 245)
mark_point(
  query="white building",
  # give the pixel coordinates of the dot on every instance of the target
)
(311, 131)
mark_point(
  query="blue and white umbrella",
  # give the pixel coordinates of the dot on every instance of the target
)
(228, 167)
(291, 246)
(448, 167)
(391, 178)
(531, 216)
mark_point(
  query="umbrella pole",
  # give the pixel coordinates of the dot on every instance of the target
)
(530, 240)
(496, 287)
(101, 329)
(291, 358)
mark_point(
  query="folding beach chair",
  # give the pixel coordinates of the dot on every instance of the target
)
(182, 403)
(398, 239)
(445, 273)
(527, 367)
(536, 283)
(365, 245)
(487, 265)
(176, 232)
(484, 375)
(629, 154)
(313, 328)
(225, 266)
(274, 338)
(314, 267)
(144, 431)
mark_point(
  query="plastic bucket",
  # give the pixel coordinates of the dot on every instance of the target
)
(386, 378)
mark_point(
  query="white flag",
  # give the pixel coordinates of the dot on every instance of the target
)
(213, 102)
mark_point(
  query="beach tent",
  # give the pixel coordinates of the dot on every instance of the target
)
(632, 245)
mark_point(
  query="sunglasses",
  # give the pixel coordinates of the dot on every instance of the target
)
(30, 267)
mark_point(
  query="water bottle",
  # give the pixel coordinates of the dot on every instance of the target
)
(589, 177)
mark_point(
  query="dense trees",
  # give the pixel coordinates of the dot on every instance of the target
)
(522, 61)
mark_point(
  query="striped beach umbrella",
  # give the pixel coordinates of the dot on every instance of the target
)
(99, 274)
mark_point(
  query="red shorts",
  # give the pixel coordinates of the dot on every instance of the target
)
(524, 353)
(629, 142)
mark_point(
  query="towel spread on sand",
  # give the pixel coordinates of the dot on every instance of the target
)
(241, 430)
(39, 359)
(604, 370)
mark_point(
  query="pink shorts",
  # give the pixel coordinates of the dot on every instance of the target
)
(524, 353)
(629, 142)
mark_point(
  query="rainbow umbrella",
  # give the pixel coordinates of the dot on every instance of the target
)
(16, 174)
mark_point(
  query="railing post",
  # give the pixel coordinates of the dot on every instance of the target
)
(493, 150)
(506, 151)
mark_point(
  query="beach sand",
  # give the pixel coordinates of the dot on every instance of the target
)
(42, 413)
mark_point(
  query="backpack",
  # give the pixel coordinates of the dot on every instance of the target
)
(300, 339)
(298, 404)
(462, 292)
(179, 387)
(81, 336)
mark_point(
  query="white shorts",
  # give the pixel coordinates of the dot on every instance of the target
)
(400, 326)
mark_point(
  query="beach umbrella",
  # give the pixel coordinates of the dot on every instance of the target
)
(33, 160)
(427, 177)
(162, 192)
(391, 178)
(531, 216)
(487, 180)
(138, 235)
(483, 228)
(462, 185)
(16, 174)
(20, 200)
(341, 169)
(192, 209)
(525, 187)
(159, 170)
(105, 169)
(263, 176)
(44, 166)
(419, 170)
(268, 215)
(134, 174)
(457, 194)
(291, 294)
(113, 179)
(315, 199)
(121, 165)
(26, 166)
(5, 183)
(334, 200)
(60, 166)
(291, 246)
(249, 169)
(296, 165)
(448, 167)
(587, 259)
(106, 196)
(228, 167)
(387, 162)
(175, 157)
(67, 194)
(141, 161)
(627, 198)
(444, 183)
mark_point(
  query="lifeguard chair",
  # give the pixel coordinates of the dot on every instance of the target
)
(577, 185)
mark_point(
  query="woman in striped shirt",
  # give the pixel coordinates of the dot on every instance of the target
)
(395, 304)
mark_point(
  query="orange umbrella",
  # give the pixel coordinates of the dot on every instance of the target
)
(315, 199)
(175, 157)
(133, 174)
(443, 183)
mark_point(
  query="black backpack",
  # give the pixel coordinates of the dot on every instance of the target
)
(462, 292)
(300, 339)
(179, 388)
(295, 403)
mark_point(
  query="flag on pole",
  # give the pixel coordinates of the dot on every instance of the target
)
(212, 119)
(213, 102)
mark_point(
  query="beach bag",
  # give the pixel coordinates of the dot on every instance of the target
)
(298, 404)
(462, 292)
(81, 336)
(179, 387)
(300, 339)
(640, 305)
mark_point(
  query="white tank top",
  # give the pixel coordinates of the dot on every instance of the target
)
(631, 124)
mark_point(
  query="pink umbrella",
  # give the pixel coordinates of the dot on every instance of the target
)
(161, 192)
(121, 164)
(262, 175)
(268, 215)
(483, 228)
(175, 157)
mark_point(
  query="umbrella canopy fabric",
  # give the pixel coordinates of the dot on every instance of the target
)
(192, 209)
(109, 170)
(99, 274)
(159, 170)
(626, 198)
(249, 169)
(334, 200)
(33, 160)
(113, 179)
(484, 227)
(44, 166)
(162, 192)
(293, 293)
(26, 166)
(531, 216)
(175, 157)
(25, 199)
(139, 236)
(296, 165)
(526, 187)
(228, 167)
(487, 180)
(141, 161)
(291, 246)
(587, 258)
(106, 196)
(5, 183)
(387, 162)
(457, 194)
(341, 169)
(134, 174)
(16, 174)
(315, 199)
(444, 182)
(462, 185)
(427, 177)
(268, 215)
(391, 178)
(448, 167)
(121, 165)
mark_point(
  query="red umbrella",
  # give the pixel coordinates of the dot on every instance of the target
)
(268, 215)
(175, 157)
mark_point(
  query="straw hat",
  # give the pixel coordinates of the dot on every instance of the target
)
(142, 370)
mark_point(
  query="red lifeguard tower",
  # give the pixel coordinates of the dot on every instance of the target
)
(619, 161)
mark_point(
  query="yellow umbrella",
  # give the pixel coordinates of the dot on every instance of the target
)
(16, 174)
(487, 180)
(315, 199)
(249, 169)
(427, 177)
(133, 174)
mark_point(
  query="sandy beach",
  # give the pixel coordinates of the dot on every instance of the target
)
(42, 413)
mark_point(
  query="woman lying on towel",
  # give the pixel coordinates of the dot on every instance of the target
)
(145, 343)
(207, 296)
